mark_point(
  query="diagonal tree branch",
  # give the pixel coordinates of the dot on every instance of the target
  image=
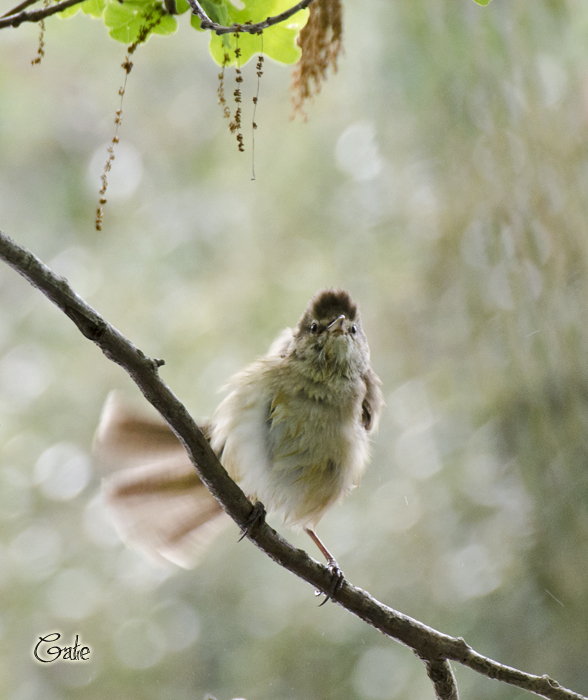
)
(15, 17)
(15, 20)
(434, 648)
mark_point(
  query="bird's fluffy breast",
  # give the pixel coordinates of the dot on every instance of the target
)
(290, 443)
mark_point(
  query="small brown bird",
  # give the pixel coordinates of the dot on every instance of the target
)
(292, 432)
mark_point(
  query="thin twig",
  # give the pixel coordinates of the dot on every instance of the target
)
(19, 8)
(434, 647)
(36, 15)
(207, 23)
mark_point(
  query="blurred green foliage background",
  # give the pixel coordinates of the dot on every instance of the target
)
(443, 179)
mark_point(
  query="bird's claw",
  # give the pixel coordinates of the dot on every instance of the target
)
(256, 517)
(336, 582)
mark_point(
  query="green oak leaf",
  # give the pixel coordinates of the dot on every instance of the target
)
(69, 12)
(278, 42)
(95, 8)
(126, 21)
(182, 6)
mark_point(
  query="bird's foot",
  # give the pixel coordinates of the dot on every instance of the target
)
(256, 517)
(336, 582)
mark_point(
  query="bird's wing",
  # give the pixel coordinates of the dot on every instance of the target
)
(373, 401)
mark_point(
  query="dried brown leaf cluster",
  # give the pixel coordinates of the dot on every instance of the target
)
(321, 42)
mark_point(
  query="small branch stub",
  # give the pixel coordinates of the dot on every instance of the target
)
(442, 678)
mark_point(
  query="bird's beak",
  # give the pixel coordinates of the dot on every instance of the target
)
(337, 324)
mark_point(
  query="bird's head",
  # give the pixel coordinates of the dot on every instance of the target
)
(329, 338)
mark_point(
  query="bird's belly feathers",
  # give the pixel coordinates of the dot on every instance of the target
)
(295, 454)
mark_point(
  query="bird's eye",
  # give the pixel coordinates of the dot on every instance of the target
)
(313, 327)
(354, 329)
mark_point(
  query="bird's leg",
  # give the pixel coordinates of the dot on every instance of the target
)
(338, 575)
(256, 517)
